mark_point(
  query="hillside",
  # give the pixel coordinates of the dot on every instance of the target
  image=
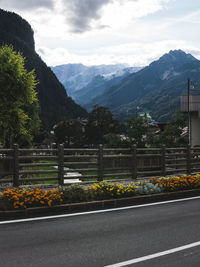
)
(156, 89)
(99, 84)
(53, 98)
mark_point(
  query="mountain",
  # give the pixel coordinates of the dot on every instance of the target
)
(155, 89)
(99, 84)
(53, 98)
(77, 76)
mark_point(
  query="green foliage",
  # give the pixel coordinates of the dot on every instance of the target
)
(115, 140)
(171, 136)
(17, 94)
(69, 132)
(136, 128)
(100, 123)
(74, 193)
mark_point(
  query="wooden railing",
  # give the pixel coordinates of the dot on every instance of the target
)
(24, 166)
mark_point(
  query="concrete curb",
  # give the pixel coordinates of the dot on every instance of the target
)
(96, 205)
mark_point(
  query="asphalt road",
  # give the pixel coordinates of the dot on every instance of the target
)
(105, 239)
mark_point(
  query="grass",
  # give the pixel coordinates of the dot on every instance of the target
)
(42, 168)
(50, 175)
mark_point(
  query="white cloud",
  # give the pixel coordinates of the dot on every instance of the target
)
(134, 54)
(58, 56)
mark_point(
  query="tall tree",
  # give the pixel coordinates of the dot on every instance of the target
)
(136, 128)
(69, 132)
(17, 97)
(100, 123)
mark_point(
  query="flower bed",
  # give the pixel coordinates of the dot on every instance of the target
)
(25, 198)
(108, 191)
(177, 183)
(13, 199)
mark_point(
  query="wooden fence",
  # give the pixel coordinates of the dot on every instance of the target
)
(30, 166)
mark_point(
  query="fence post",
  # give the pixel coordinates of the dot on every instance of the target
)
(134, 162)
(188, 159)
(163, 167)
(61, 164)
(100, 163)
(16, 165)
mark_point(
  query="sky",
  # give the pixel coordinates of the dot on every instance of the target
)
(94, 32)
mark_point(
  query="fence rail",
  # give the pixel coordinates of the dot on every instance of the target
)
(24, 166)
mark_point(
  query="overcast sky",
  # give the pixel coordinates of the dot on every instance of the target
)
(96, 32)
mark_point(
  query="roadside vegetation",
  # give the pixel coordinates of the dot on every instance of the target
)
(177, 183)
(22, 198)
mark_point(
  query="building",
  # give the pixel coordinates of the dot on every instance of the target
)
(191, 105)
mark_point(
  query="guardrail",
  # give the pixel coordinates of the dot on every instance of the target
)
(24, 166)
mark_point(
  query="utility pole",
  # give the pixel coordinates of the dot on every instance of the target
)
(188, 111)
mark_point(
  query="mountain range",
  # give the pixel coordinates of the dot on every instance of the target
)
(54, 101)
(76, 77)
(154, 89)
(99, 84)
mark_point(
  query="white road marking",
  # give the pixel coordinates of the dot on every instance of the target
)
(156, 255)
(97, 211)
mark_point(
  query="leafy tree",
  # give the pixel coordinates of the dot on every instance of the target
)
(18, 100)
(136, 128)
(100, 123)
(116, 140)
(171, 136)
(69, 132)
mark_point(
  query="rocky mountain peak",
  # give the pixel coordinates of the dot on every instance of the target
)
(176, 56)
(171, 64)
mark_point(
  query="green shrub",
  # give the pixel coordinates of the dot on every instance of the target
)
(74, 193)
(144, 188)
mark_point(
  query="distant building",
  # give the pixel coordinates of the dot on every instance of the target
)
(194, 117)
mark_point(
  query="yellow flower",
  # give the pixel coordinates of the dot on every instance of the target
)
(49, 203)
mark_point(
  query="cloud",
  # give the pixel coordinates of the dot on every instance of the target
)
(87, 15)
(81, 13)
(140, 54)
(26, 4)
(133, 54)
(81, 16)
(58, 56)
(194, 52)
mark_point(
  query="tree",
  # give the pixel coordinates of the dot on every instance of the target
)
(100, 123)
(69, 132)
(18, 97)
(116, 140)
(136, 128)
(171, 136)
